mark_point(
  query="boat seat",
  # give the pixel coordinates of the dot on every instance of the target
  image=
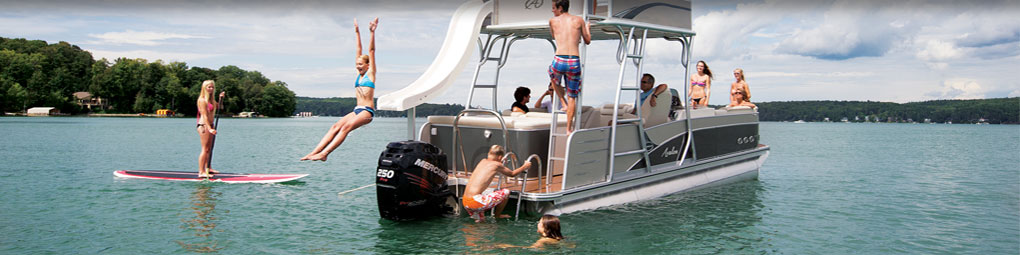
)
(526, 121)
(734, 110)
(650, 115)
(696, 113)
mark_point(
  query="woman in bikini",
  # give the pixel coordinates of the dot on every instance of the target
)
(364, 87)
(701, 85)
(739, 84)
(741, 99)
(206, 132)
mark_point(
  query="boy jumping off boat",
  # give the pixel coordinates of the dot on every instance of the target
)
(476, 201)
(567, 30)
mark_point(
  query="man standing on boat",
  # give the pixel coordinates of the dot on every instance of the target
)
(567, 30)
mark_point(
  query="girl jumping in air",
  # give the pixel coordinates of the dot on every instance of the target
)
(364, 87)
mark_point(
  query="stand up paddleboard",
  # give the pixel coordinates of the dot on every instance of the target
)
(220, 177)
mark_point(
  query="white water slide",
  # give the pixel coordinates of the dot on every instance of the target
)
(456, 51)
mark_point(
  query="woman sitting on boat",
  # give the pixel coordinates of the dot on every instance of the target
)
(739, 84)
(364, 87)
(740, 98)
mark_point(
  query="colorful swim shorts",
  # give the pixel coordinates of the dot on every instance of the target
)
(568, 67)
(477, 204)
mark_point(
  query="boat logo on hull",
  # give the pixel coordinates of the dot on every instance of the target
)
(670, 152)
(533, 4)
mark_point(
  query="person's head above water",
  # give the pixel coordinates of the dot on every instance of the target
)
(549, 226)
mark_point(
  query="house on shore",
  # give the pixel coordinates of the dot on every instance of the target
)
(85, 100)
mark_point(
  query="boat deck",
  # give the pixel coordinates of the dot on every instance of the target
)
(534, 184)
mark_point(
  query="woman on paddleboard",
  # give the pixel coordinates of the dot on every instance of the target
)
(206, 131)
(364, 88)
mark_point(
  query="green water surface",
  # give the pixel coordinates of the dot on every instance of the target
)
(827, 188)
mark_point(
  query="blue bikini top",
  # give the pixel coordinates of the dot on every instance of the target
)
(364, 82)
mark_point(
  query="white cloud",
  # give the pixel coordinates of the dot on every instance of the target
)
(145, 38)
(935, 50)
(849, 29)
(960, 88)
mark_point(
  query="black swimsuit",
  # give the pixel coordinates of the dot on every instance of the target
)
(520, 105)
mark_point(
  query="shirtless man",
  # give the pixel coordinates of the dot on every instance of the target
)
(567, 30)
(475, 201)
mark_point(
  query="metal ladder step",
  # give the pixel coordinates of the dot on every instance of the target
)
(557, 158)
(630, 88)
(491, 86)
(626, 121)
(635, 56)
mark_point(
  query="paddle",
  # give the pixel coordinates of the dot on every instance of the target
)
(216, 125)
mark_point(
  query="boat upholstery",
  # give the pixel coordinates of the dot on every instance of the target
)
(734, 110)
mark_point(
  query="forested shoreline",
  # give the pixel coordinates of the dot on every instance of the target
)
(340, 106)
(992, 111)
(34, 73)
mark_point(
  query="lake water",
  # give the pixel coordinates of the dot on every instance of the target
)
(827, 188)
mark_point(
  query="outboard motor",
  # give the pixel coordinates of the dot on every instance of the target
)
(411, 181)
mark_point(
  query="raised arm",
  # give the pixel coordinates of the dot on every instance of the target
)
(357, 33)
(371, 48)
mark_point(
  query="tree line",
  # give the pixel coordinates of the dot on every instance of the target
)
(340, 106)
(993, 111)
(34, 73)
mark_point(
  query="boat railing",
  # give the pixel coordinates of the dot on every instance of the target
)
(512, 158)
(459, 147)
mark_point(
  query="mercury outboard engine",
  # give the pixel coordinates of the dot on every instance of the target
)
(411, 181)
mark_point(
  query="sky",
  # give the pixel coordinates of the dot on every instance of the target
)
(890, 51)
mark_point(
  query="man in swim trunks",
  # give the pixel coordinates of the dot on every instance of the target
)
(475, 199)
(567, 30)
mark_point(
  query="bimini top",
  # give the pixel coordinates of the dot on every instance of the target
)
(667, 19)
(604, 29)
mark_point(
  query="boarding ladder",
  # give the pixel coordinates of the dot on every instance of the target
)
(634, 52)
(557, 138)
(485, 50)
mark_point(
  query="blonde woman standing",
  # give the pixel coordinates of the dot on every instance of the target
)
(364, 88)
(739, 84)
(206, 131)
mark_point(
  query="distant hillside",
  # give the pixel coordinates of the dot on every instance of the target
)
(994, 111)
(340, 106)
